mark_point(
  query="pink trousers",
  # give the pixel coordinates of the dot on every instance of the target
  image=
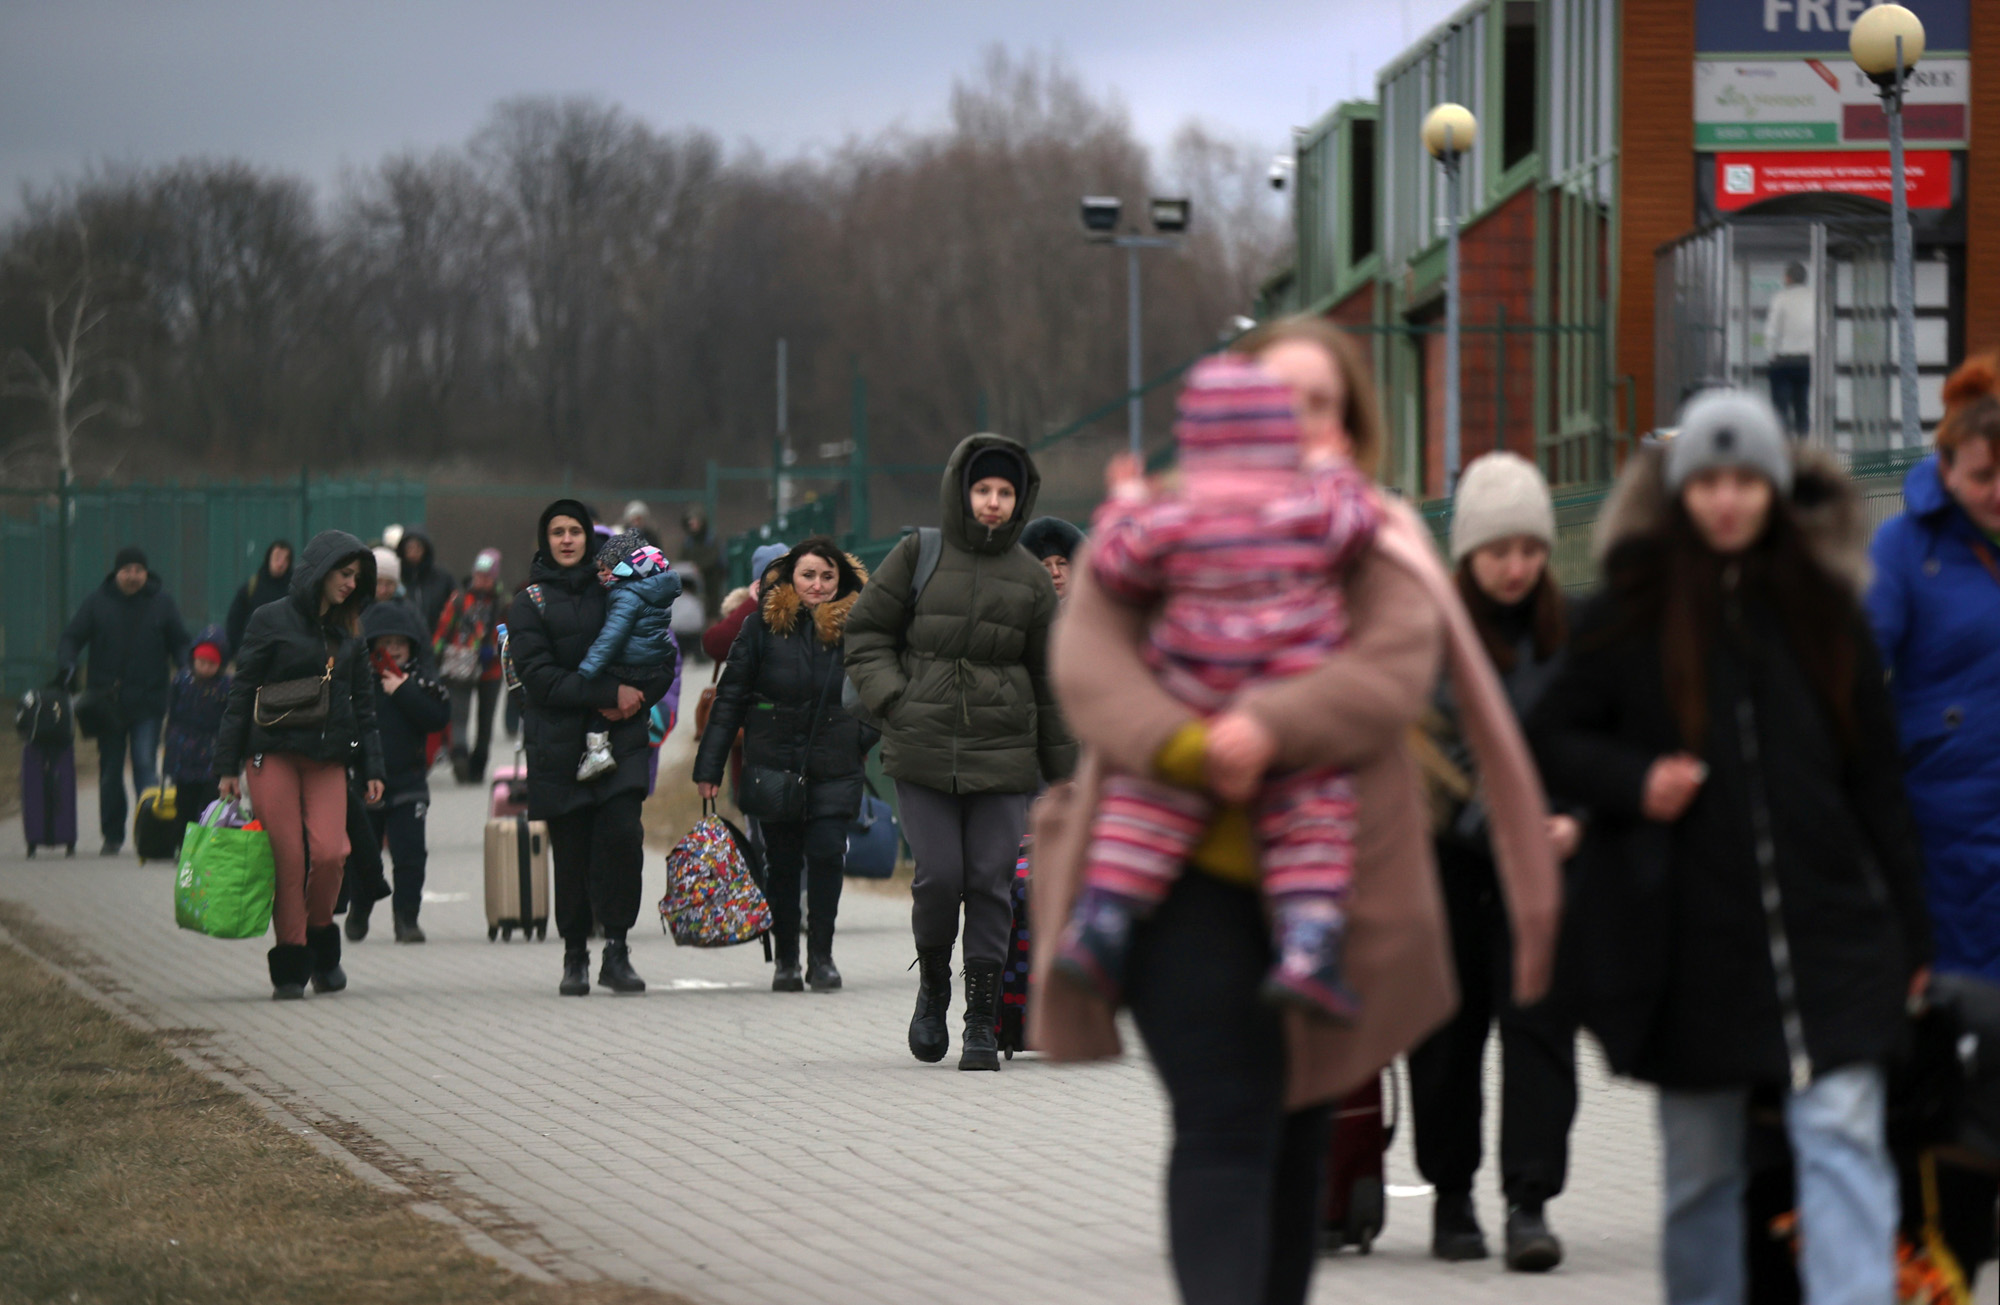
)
(303, 805)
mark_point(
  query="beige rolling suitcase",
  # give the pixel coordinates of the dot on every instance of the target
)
(517, 877)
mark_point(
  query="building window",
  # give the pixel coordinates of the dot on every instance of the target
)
(1361, 190)
(1518, 82)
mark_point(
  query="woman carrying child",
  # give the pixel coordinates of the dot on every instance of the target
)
(298, 744)
(594, 826)
(781, 687)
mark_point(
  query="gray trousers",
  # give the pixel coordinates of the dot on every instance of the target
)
(966, 845)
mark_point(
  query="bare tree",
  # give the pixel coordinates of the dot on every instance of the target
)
(74, 313)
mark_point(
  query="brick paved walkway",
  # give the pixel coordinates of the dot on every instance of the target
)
(739, 1146)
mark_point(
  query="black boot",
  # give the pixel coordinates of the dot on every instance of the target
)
(1455, 1234)
(929, 1039)
(785, 954)
(616, 972)
(576, 972)
(982, 1012)
(406, 928)
(324, 944)
(1531, 1247)
(357, 920)
(821, 976)
(291, 965)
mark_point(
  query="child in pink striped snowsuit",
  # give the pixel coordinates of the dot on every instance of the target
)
(1242, 569)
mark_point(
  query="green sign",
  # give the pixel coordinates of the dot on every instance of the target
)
(1738, 135)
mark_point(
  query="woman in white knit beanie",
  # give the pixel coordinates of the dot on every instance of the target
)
(1503, 531)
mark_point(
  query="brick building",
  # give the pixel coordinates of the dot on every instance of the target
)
(1647, 175)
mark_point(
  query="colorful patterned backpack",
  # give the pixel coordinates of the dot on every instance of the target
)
(712, 900)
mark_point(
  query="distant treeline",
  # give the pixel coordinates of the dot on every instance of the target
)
(574, 287)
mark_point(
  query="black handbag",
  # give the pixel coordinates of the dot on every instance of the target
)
(304, 703)
(96, 712)
(779, 796)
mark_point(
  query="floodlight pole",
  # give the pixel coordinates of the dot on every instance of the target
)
(1135, 403)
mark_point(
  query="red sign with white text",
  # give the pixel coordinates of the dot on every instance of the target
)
(1745, 179)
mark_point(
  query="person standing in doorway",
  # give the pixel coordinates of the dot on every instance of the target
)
(131, 634)
(971, 731)
(1791, 328)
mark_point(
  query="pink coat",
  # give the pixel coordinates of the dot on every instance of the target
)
(1355, 712)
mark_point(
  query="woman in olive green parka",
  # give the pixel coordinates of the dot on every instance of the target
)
(970, 727)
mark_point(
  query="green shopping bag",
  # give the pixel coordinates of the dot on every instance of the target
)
(226, 878)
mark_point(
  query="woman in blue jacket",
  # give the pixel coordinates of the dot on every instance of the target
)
(1935, 606)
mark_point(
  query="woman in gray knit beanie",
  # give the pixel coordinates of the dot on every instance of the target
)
(1503, 531)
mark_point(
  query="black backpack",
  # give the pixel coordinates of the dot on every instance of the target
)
(45, 719)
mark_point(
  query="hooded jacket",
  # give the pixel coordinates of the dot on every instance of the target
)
(550, 627)
(427, 583)
(419, 707)
(1678, 935)
(1935, 609)
(194, 717)
(258, 590)
(638, 623)
(131, 640)
(291, 641)
(962, 683)
(784, 674)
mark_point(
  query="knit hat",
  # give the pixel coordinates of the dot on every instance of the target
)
(487, 561)
(210, 650)
(1234, 416)
(130, 555)
(760, 561)
(995, 463)
(1729, 428)
(1501, 495)
(387, 564)
(1047, 537)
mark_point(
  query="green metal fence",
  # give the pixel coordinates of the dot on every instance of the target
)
(202, 538)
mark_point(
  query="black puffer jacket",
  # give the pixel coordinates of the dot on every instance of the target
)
(132, 640)
(550, 627)
(783, 671)
(290, 641)
(1668, 945)
(419, 707)
(257, 591)
(427, 583)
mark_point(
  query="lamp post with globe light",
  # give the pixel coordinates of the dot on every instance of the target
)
(1449, 132)
(1886, 43)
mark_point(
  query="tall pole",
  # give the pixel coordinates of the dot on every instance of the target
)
(1906, 272)
(1135, 404)
(858, 508)
(1451, 316)
(780, 447)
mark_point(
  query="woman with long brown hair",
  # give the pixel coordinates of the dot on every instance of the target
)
(1250, 1088)
(301, 711)
(1749, 913)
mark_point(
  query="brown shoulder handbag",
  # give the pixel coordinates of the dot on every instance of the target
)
(302, 703)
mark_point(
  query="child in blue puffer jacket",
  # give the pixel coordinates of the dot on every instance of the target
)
(638, 628)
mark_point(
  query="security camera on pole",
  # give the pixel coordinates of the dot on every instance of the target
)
(1886, 43)
(1100, 223)
(1449, 131)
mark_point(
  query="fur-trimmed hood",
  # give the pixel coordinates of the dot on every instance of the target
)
(1824, 502)
(782, 603)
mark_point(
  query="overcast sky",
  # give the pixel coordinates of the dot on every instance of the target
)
(311, 85)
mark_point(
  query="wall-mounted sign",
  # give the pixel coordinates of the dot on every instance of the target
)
(1745, 179)
(1778, 27)
(1795, 103)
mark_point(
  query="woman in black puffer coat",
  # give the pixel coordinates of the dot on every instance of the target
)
(782, 687)
(298, 772)
(594, 829)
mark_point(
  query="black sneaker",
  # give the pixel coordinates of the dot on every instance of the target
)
(112, 847)
(1531, 1247)
(406, 928)
(1455, 1235)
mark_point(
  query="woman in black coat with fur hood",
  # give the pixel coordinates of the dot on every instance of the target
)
(1749, 907)
(781, 687)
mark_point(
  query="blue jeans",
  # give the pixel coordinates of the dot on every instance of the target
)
(143, 738)
(1791, 394)
(1847, 1198)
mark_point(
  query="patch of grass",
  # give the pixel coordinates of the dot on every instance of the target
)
(125, 1176)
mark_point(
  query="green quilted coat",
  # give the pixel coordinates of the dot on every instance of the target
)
(962, 683)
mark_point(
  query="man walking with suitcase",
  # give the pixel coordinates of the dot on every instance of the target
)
(132, 635)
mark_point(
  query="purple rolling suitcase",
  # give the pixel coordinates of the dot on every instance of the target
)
(48, 798)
